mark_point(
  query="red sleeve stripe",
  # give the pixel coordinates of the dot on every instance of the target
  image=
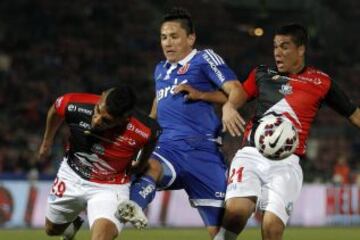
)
(250, 86)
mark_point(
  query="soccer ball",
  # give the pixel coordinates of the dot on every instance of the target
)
(276, 137)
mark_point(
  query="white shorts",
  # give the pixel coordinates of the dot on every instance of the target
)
(276, 184)
(70, 194)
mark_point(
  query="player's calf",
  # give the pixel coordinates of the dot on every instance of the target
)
(142, 191)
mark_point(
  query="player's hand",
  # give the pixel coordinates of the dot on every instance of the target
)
(232, 120)
(190, 92)
(45, 150)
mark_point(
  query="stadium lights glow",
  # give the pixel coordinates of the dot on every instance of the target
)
(258, 31)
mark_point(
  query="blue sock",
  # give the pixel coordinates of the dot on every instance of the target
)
(142, 191)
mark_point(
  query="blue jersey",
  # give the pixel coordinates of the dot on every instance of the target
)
(181, 119)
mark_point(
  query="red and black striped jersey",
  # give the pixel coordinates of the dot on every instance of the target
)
(102, 156)
(297, 96)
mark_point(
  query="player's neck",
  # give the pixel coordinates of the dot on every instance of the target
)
(298, 68)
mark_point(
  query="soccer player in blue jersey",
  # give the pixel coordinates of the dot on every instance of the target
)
(187, 154)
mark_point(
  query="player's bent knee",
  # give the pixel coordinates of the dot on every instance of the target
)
(52, 232)
(241, 206)
(53, 229)
(155, 169)
(103, 229)
(237, 213)
(167, 175)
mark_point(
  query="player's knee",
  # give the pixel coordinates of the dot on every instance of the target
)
(103, 229)
(155, 169)
(272, 228)
(237, 213)
(240, 207)
(53, 231)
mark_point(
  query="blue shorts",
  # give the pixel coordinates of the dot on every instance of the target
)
(198, 167)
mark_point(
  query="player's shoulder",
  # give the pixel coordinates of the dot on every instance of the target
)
(85, 98)
(316, 72)
(208, 56)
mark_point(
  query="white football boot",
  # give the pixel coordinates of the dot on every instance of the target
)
(130, 211)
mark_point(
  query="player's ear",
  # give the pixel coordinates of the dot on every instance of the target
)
(302, 50)
(191, 39)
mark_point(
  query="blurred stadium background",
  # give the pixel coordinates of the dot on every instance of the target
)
(48, 48)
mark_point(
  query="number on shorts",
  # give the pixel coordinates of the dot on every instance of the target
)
(58, 188)
(236, 175)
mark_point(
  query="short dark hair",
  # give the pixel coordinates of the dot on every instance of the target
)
(182, 16)
(297, 32)
(120, 101)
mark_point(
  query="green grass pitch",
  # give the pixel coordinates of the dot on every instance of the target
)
(336, 233)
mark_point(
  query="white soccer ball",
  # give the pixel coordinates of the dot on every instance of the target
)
(276, 137)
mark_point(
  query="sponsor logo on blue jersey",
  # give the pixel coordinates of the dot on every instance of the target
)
(164, 92)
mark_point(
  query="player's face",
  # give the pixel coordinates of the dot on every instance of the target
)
(289, 57)
(101, 119)
(175, 42)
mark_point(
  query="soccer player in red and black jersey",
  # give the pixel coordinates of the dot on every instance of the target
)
(296, 91)
(107, 134)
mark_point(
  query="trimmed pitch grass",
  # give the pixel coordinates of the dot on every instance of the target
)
(336, 233)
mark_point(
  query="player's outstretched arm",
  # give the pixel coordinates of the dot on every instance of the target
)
(355, 118)
(193, 94)
(53, 122)
(153, 110)
(232, 120)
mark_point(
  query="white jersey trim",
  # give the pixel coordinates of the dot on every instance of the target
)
(171, 167)
(206, 203)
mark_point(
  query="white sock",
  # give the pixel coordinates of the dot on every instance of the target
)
(224, 234)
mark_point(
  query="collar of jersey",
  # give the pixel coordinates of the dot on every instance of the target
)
(183, 61)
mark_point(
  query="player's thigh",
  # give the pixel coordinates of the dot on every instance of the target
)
(166, 157)
(205, 183)
(279, 194)
(66, 199)
(103, 200)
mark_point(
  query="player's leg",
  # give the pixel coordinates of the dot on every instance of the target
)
(279, 195)
(103, 229)
(64, 204)
(142, 192)
(237, 212)
(160, 175)
(272, 227)
(143, 189)
(204, 177)
(243, 190)
(102, 203)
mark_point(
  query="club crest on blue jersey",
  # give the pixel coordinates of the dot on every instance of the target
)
(183, 69)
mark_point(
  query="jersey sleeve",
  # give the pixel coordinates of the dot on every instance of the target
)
(150, 123)
(339, 101)
(250, 86)
(216, 69)
(61, 104)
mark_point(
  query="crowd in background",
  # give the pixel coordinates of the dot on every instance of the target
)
(48, 48)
